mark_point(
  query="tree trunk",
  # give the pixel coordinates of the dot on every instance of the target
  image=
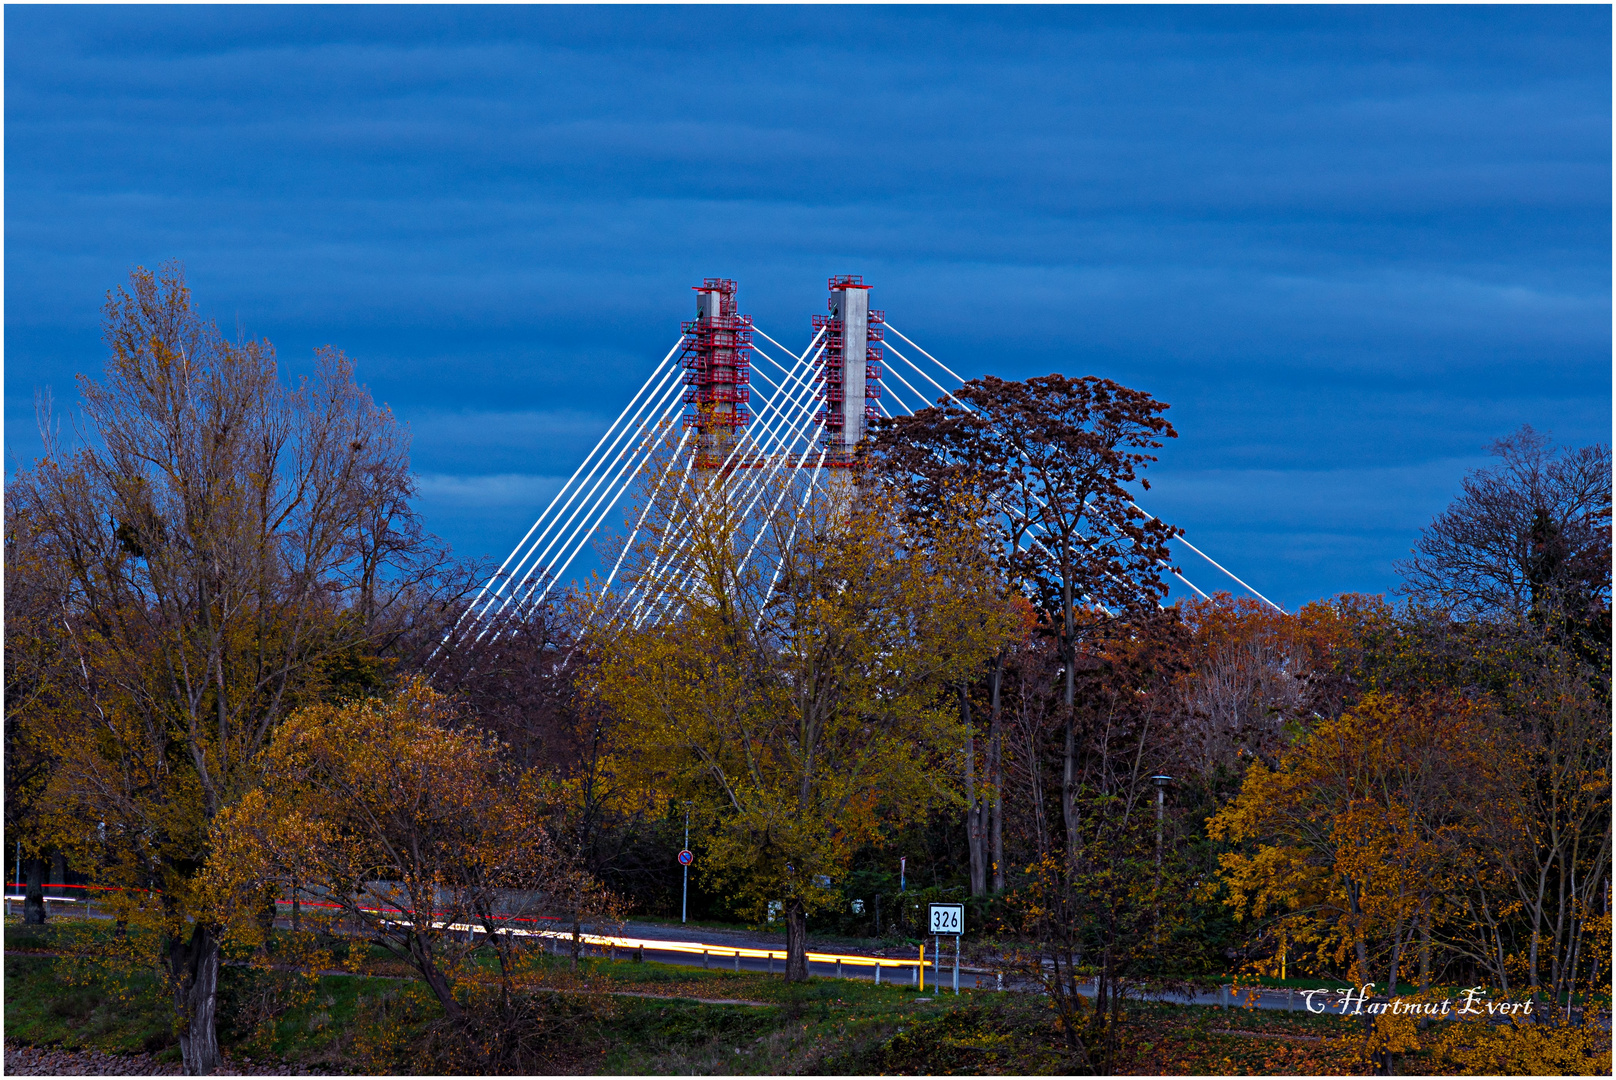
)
(266, 920)
(1069, 759)
(1069, 791)
(996, 775)
(426, 964)
(796, 941)
(1425, 945)
(1360, 947)
(33, 897)
(975, 834)
(1069, 700)
(194, 975)
(1397, 956)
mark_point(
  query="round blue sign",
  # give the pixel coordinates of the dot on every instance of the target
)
(685, 858)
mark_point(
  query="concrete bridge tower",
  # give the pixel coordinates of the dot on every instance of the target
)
(850, 368)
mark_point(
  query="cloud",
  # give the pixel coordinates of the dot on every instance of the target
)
(1371, 236)
(493, 490)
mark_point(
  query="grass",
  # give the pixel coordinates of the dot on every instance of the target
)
(625, 1017)
(42, 1011)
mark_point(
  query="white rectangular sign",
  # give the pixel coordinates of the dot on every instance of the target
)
(948, 918)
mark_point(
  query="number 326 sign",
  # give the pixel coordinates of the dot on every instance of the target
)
(948, 918)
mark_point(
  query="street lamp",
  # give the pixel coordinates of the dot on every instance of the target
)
(1161, 783)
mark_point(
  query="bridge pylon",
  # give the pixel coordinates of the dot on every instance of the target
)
(849, 373)
(717, 359)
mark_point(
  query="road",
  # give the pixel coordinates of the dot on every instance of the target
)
(739, 950)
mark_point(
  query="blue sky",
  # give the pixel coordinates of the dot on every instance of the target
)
(1350, 246)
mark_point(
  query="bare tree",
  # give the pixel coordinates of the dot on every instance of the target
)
(222, 546)
(1251, 674)
(1529, 536)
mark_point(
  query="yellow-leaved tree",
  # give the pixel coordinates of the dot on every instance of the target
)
(405, 828)
(219, 551)
(1353, 840)
(797, 681)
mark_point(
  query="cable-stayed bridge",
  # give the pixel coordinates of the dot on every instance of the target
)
(730, 400)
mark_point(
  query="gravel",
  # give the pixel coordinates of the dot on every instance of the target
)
(53, 1061)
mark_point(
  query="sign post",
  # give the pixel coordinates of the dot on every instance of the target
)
(947, 919)
(684, 860)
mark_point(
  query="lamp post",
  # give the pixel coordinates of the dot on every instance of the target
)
(1161, 783)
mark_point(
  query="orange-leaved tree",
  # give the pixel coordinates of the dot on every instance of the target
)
(1350, 844)
(404, 826)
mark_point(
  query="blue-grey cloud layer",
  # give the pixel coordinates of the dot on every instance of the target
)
(1350, 246)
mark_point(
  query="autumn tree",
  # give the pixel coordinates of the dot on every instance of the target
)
(419, 833)
(1051, 457)
(36, 666)
(1352, 845)
(225, 549)
(523, 675)
(1513, 586)
(797, 687)
(1528, 538)
(1114, 911)
(1256, 676)
(1536, 891)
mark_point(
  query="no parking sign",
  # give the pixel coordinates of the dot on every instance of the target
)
(685, 858)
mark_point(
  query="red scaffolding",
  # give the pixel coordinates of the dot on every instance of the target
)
(717, 359)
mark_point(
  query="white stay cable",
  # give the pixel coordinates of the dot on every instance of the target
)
(655, 402)
(669, 401)
(774, 421)
(784, 425)
(564, 487)
(798, 405)
(586, 530)
(1031, 538)
(788, 352)
(1135, 505)
(607, 473)
(1211, 560)
(788, 423)
(924, 353)
(770, 417)
(813, 479)
(916, 369)
(784, 489)
(628, 545)
(740, 566)
(778, 421)
(895, 373)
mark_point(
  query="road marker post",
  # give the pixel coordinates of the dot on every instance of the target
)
(947, 919)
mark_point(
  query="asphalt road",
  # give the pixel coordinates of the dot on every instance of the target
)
(739, 950)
